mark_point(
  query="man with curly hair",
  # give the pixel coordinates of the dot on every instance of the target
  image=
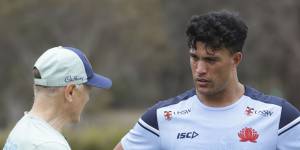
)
(220, 113)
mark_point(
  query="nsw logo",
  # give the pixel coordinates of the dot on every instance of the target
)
(187, 135)
(249, 111)
(169, 114)
(183, 112)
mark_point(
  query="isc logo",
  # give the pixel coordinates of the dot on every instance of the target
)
(189, 135)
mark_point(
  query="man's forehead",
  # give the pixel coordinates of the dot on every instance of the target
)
(205, 52)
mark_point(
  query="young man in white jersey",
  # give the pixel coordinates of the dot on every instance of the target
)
(63, 78)
(220, 113)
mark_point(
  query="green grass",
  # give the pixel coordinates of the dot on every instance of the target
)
(95, 138)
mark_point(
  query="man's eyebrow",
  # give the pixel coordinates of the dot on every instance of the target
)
(209, 56)
(193, 54)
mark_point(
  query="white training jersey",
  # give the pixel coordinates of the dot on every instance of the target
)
(255, 122)
(33, 133)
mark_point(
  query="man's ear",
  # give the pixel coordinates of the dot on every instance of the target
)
(237, 58)
(69, 92)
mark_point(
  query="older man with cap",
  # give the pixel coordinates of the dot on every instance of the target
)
(63, 78)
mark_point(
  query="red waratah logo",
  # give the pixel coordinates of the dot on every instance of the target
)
(168, 115)
(248, 134)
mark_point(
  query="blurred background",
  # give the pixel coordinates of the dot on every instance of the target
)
(141, 46)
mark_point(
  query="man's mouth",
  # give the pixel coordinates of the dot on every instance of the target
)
(202, 82)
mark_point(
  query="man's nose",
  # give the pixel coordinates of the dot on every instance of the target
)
(201, 68)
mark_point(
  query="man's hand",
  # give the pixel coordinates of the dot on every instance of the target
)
(118, 147)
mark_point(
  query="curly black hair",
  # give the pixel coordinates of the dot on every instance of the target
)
(217, 30)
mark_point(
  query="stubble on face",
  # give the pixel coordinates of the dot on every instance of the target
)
(211, 70)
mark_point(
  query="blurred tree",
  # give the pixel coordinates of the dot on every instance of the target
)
(141, 45)
(271, 51)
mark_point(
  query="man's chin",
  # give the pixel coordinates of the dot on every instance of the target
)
(204, 91)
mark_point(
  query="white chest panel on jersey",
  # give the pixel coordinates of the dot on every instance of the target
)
(255, 122)
(246, 124)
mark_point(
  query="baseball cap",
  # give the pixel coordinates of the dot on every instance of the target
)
(60, 66)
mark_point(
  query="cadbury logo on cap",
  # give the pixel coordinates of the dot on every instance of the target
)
(73, 78)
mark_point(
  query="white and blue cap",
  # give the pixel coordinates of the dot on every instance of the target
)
(60, 66)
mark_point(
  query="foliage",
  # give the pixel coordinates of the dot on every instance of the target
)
(141, 46)
(95, 138)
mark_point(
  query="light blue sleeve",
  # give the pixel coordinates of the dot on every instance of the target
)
(139, 138)
(9, 145)
(52, 146)
(289, 136)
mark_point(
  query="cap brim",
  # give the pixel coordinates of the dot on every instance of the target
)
(99, 81)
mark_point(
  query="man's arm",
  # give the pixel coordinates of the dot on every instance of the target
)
(119, 146)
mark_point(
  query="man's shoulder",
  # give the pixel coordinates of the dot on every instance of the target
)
(289, 113)
(36, 132)
(174, 100)
(11, 144)
(260, 96)
(150, 117)
(52, 145)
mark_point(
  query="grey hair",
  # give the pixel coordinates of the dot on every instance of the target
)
(51, 91)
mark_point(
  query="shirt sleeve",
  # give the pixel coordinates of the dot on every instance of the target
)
(145, 133)
(290, 139)
(289, 132)
(52, 146)
(140, 138)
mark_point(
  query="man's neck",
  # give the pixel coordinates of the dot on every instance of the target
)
(223, 98)
(49, 113)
